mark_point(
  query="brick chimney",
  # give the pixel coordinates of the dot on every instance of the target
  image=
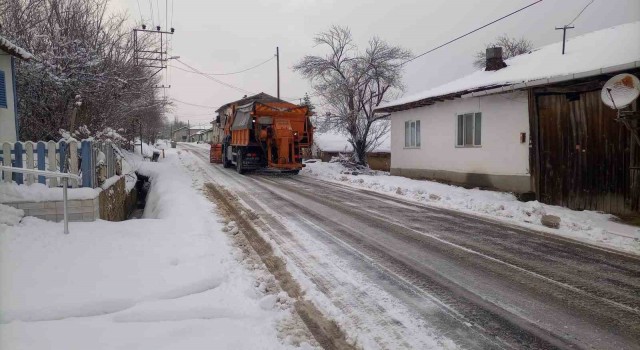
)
(494, 59)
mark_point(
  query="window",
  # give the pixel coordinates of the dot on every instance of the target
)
(469, 130)
(412, 134)
(3, 91)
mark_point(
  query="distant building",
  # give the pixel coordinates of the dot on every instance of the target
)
(9, 124)
(185, 135)
(329, 144)
(533, 124)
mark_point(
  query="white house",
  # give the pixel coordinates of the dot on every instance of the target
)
(8, 106)
(524, 123)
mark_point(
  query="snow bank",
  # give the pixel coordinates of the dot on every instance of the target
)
(168, 281)
(9, 216)
(588, 226)
(147, 150)
(37, 192)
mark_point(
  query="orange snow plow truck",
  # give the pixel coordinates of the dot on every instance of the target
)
(262, 133)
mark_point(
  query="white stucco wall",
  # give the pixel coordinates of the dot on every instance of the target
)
(7, 115)
(504, 117)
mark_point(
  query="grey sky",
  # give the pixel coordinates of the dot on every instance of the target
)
(224, 36)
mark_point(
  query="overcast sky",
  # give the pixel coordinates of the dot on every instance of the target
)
(227, 36)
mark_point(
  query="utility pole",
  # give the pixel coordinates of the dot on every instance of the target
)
(278, 67)
(564, 35)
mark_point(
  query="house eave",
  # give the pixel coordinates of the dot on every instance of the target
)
(492, 90)
(555, 80)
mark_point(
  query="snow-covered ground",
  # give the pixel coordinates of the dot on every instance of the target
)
(171, 280)
(587, 226)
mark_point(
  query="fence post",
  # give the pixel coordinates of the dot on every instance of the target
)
(18, 148)
(51, 150)
(62, 151)
(42, 147)
(73, 161)
(6, 159)
(87, 172)
(28, 150)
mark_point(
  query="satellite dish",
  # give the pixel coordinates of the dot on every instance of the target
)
(620, 91)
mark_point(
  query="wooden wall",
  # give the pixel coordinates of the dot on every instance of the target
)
(582, 158)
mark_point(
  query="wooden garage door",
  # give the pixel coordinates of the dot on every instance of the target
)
(584, 154)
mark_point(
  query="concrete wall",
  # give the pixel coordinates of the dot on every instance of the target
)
(78, 210)
(501, 162)
(115, 203)
(7, 115)
(112, 204)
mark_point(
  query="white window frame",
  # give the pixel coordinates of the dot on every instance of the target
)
(413, 141)
(474, 143)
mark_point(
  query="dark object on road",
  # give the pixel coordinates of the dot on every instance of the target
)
(155, 156)
(551, 221)
(173, 144)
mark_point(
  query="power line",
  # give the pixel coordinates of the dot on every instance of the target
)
(191, 104)
(241, 71)
(151, 8)
(172, 1)
(580, 13)
(158, 11)
(140, 11)
(473, 31)
(216, 80)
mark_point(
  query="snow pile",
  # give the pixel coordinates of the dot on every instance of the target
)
(583, 53)
(147, 150)
(37, 192)
(170, 280)
(587, 226)
(9, 216)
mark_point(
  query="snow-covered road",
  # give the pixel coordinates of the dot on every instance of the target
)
(396, 274)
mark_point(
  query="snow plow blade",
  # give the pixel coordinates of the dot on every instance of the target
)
(274, 171)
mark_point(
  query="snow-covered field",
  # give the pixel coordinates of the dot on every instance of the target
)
(587, 226)
(171, 280)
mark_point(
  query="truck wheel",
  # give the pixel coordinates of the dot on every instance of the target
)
(239, 167)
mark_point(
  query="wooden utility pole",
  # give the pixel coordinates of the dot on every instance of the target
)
(278, 68)
(564, 35)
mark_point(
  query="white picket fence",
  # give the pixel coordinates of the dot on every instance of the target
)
(74, 157)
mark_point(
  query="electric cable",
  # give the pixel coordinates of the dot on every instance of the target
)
(140, 11)
(216, 80)
(580, 13)
(240, 71)
(191, 104)
(473, 31)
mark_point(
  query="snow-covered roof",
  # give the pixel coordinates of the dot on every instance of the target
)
(598, 52)
(13, 49)
(332, 141)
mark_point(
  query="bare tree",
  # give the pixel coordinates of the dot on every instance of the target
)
(511, 47)
(82, 76)
(352, 84)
